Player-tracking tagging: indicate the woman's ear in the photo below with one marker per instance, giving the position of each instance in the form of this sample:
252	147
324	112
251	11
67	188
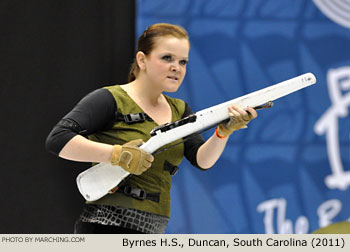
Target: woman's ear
140	59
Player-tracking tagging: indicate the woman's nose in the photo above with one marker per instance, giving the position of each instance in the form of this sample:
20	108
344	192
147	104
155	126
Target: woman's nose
174	68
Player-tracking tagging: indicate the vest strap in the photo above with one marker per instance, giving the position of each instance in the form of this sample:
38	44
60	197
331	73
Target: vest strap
172	169
138	193
72	125
133	118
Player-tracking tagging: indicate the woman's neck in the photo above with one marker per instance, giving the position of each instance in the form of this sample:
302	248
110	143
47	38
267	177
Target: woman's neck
153	103
144	93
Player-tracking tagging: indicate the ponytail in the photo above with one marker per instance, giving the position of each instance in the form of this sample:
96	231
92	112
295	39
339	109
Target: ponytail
134	69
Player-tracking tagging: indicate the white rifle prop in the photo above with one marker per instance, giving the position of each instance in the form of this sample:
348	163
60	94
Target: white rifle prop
104	178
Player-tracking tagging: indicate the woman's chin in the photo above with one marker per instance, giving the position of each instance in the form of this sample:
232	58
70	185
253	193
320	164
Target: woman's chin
172	88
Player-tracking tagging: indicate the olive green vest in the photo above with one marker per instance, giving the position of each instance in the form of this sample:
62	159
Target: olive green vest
155	179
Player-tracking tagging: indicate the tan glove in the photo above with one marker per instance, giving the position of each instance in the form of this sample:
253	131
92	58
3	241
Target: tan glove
131	158
238	120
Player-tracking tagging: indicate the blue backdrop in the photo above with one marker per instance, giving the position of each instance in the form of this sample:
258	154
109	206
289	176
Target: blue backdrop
289	172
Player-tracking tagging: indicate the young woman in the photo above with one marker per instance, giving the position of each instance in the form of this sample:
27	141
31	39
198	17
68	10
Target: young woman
102	128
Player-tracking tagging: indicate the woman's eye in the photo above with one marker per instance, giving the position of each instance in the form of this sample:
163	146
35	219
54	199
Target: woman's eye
167	57
183	62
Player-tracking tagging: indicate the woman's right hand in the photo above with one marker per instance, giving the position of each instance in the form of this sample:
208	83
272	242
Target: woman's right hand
131	158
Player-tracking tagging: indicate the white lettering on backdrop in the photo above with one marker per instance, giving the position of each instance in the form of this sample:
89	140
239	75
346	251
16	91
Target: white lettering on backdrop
339	91
326	212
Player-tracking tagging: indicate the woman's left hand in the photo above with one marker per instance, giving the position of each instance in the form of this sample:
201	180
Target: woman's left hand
239	118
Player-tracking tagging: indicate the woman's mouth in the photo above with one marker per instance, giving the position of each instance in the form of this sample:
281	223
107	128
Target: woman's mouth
173	78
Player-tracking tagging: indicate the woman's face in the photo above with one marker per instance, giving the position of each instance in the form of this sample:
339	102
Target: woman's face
165	66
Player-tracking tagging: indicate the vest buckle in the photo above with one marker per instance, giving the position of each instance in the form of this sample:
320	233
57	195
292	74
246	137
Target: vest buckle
172	169
133	118
135	192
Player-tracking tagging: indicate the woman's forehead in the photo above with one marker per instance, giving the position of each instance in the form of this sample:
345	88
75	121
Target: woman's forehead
172	44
